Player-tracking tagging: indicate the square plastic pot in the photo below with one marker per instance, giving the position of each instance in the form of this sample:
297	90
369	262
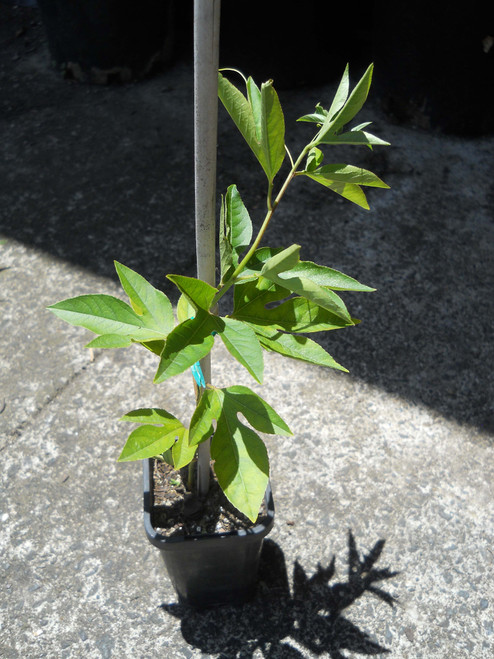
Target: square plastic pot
211	569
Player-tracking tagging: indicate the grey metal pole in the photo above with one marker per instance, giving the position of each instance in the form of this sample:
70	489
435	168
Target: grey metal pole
206	55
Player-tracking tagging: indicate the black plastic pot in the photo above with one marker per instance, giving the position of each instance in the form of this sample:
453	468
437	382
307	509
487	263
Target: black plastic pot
210	570
104	41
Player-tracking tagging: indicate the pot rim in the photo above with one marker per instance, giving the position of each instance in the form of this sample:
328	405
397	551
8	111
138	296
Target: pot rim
261	529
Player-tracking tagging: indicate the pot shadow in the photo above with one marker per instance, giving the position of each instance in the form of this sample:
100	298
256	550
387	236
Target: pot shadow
309	614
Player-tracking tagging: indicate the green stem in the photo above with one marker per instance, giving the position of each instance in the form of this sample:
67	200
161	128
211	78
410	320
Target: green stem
271	209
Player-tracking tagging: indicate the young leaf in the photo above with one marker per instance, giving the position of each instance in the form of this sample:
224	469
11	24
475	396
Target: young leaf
207	410
351	107
272	130
355	137
238	222
147	301
240	110
186	344
225	243
147	441
182	452
105	314
341	95
241	342
317	117
241	462
198	292
254	97
314	158
299	347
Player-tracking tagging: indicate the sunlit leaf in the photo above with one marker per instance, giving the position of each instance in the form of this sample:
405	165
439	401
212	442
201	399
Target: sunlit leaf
148	441
299	347
110	341
186	344
198	292
146	300
182	452
240	110
272	130
105	314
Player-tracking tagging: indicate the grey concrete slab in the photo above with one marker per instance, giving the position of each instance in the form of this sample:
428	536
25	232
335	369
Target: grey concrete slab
398	450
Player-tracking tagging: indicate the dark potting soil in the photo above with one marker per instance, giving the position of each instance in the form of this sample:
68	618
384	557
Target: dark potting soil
178	511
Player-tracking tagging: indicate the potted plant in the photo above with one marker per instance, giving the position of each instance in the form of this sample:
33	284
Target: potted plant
277	300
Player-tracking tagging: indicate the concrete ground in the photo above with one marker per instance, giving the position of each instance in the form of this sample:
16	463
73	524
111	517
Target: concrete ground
399	450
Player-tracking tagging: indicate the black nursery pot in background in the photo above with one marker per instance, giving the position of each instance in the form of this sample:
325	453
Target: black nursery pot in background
210	570
104	41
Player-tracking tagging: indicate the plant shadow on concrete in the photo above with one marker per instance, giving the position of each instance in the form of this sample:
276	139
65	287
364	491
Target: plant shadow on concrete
310	612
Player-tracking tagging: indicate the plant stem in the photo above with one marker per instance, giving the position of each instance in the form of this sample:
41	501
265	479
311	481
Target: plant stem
271	209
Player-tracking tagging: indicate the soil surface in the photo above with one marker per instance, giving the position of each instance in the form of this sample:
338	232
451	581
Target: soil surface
178	511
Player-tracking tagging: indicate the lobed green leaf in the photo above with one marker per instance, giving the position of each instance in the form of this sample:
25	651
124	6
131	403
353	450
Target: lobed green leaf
146	300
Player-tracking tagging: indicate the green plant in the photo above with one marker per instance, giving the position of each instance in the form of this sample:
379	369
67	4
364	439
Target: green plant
277	299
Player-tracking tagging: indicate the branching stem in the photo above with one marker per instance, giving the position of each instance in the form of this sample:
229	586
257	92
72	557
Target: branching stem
271	209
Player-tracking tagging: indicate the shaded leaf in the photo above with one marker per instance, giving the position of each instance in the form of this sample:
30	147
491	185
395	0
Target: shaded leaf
296	314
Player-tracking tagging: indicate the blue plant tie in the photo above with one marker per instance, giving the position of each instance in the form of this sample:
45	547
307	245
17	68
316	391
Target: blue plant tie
198	374
197	370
